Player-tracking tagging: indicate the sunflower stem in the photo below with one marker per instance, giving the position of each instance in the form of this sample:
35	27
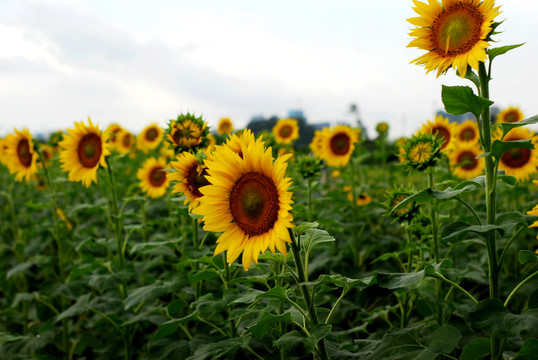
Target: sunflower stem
435	238
309	301
491	175
310	206
115	213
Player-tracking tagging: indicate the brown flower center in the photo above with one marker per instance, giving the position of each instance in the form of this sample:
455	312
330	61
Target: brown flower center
467	134
285	131
467	160
442	133
157	177
340	144
516	158
195	181
89	150
24	154
457	29
151	134
126	140
254	203
511	117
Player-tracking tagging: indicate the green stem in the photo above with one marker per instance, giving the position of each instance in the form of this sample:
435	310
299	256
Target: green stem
228	278
433	216
470	209
310	204
503	254
491	179
441	277
306	293
195	232
518	287
115	213
344	292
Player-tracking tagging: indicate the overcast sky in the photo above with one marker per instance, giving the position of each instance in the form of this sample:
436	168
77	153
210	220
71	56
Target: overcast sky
134	62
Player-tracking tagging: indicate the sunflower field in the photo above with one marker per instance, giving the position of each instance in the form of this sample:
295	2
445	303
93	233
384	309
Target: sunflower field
187	242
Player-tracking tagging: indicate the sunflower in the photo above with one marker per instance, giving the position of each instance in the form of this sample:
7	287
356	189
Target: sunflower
237	141
510	115
112	130
467	131
3	151
465	160
149	138
153	180
399	145
190	176
317	141
422	151
47	151
124	141
20	155
84	148
443	129
248	202
211	140
382	128
225	126
454	32
520	162
407	212
286	131
338	144
187	133
362	198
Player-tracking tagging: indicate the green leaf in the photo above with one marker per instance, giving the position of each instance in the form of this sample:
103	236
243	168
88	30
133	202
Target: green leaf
481	180
525	256
476	349
300	229
491	316
499	148
508	221
399	280
460	229
267	321
294	343
248	298
197	276
216	350
152	291
340	281
494	52
528	351
444	340
432	270
428	194
506	127
82	305
141	247
169	327
276	292
459	100
313	237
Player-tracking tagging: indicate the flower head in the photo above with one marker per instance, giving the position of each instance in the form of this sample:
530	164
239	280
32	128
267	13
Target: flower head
337	145
153	179
422	151
247	201
510	115
455	33
225	126
286	131
467	132
84	149
187	133
465	160
443	129
20	157
520	162
149	138
190	175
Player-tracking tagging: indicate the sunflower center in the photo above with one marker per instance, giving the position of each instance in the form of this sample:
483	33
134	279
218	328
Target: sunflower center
195	180
421	152
467	134
126	140
151	134
285	131
511	117
23	152
340	144
517	157
225	126
362	196
457	29
254	203
89	150
467	160
156	176
441	133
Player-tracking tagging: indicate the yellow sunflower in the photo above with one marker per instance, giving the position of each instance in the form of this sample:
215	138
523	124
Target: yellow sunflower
286	131
467	131
454	32
362	198
510	115
153	180
3	151
190	176
47	151
124	141
317	141
338	144
399	144
520	162
186	133
84	148
248	202
212	140
20	155
443	129
149	138
465	162
237	141
112	130
225	126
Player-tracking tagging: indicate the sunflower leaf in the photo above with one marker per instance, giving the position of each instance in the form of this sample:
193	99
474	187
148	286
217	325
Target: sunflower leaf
494	52
525	256
506	127
459	100
499	148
